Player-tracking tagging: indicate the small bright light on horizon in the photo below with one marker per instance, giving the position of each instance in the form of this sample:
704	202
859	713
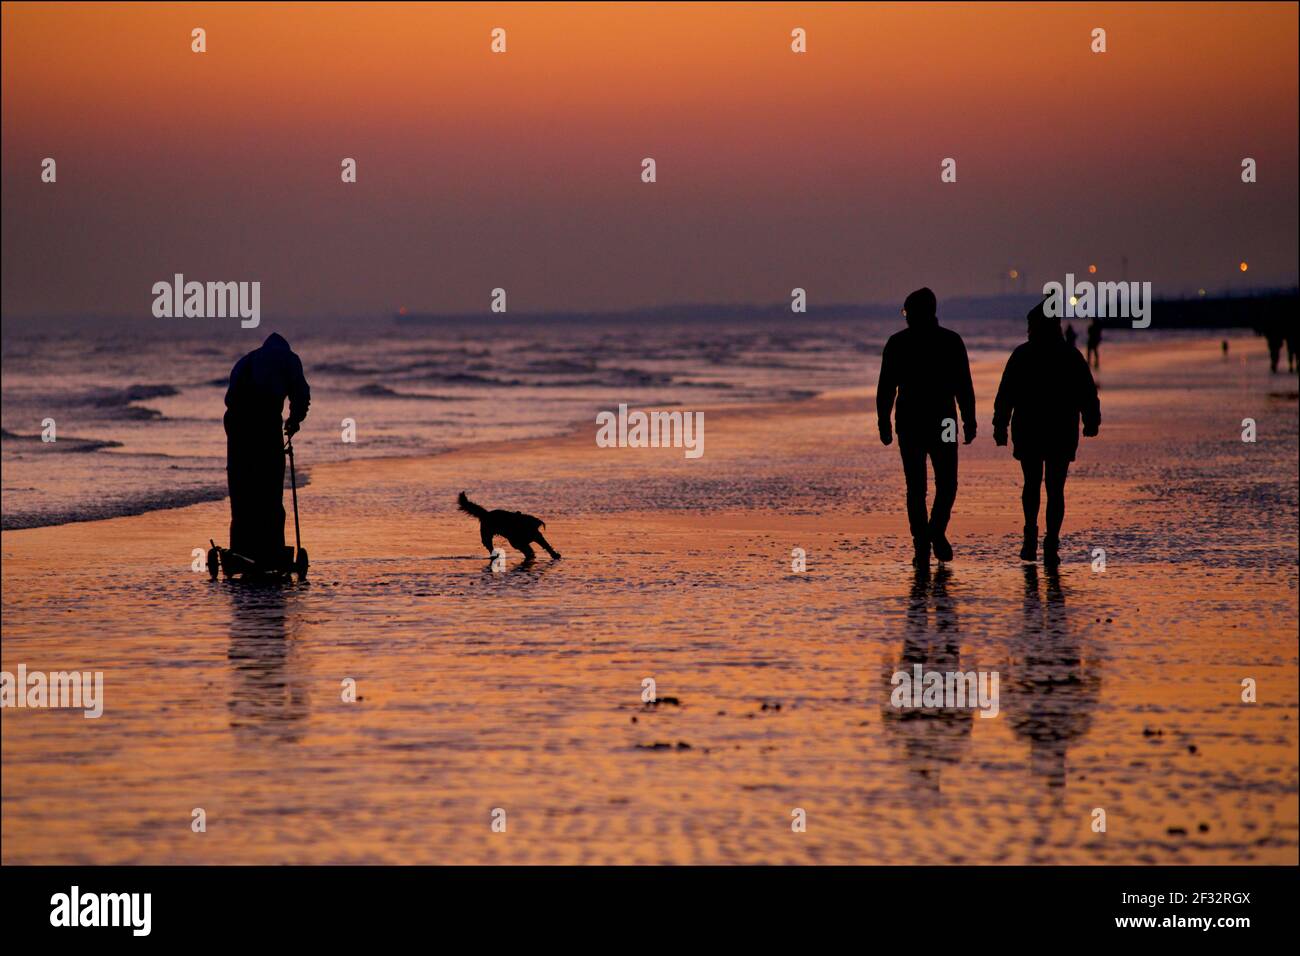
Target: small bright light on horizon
1244	267
401	310
1200	292
1014	274
1092	269
1074	300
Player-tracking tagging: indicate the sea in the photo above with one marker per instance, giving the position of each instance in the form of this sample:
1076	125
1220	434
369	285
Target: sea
134	406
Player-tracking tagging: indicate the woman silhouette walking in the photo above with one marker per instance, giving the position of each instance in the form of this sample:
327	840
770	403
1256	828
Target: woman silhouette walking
1046	388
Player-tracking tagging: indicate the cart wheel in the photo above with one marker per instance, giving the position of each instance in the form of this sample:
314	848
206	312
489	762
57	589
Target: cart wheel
300	564
214	563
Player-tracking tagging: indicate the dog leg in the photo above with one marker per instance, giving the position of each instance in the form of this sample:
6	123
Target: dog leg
486	538
541	539
524	547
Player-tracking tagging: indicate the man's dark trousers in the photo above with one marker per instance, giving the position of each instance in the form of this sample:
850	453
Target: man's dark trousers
915	449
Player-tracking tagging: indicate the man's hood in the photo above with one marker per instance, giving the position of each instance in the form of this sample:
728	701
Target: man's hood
1043	327
920	309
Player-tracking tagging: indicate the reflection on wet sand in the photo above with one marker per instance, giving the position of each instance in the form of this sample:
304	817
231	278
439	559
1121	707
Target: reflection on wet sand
269	699
1051	687
527	570
1048	685
522	689
933	738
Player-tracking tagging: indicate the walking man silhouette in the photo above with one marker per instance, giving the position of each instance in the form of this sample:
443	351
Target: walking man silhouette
259	384
925	368
1046	387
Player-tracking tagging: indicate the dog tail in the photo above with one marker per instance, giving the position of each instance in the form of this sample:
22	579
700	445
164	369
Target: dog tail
467	506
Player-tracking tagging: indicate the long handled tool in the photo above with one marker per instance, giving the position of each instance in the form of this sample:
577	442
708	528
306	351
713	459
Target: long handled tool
300	562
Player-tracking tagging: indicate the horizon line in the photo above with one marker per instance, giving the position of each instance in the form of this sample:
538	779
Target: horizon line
679	309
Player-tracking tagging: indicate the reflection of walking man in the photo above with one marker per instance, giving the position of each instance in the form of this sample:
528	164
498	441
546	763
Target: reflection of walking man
926	368
932	738
259	384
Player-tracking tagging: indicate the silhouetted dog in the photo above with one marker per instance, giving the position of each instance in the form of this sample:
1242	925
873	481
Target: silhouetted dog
517	528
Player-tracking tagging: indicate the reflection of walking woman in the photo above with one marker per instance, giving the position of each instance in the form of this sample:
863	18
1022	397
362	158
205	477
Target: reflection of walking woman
1046	388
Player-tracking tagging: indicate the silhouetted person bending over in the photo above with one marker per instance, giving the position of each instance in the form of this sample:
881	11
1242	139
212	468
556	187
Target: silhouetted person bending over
1094	343
926	367
1046	388
259	384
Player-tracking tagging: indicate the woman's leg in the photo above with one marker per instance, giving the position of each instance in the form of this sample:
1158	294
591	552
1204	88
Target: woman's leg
1032	469
1056	472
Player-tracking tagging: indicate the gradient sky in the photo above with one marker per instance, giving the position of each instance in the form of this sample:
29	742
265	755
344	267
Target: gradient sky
522	170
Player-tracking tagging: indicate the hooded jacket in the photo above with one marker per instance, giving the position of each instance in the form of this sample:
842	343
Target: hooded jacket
263	379
926	367
1046	388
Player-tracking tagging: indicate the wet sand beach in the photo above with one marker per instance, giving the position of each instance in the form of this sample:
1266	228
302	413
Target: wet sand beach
1120	690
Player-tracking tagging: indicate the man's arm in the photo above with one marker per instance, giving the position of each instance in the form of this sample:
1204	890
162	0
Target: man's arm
965	393
1089	403
299	396
236	374
885	389
1003	404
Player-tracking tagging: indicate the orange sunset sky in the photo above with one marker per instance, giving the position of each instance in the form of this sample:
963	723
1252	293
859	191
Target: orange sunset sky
522	170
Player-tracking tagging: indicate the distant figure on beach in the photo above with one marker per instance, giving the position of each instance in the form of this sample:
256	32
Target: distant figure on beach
259	384
1224	345
1094	343
1046	387
1071	336
1279	330
926	367
1274	336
